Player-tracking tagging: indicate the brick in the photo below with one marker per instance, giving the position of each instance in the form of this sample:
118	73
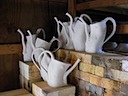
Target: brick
99	71
42	89
29	70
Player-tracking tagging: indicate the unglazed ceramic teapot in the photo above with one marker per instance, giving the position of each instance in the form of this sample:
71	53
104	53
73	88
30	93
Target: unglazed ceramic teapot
57	70
27	48
77	31
96	33
36	53
63	35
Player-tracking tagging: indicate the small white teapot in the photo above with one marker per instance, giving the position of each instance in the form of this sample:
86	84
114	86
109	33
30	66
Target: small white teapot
63	35
57	70
27	48
77	31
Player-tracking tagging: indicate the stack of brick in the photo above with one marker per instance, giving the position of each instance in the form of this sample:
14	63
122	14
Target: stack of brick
28	74
97	74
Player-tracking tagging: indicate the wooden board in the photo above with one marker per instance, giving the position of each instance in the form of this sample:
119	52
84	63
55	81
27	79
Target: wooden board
10	49
9	72
42	89
99	3
16	92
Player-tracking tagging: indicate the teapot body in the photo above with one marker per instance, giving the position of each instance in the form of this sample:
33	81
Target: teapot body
96	35
96	39
55	77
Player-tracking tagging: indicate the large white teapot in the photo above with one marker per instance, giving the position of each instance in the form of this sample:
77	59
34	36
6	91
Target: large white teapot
56	74
96	33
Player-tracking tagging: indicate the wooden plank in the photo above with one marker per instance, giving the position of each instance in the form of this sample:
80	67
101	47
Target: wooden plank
10	49
9	72
99	3
42	89
16	92
26	95
72	7
62	1
122	28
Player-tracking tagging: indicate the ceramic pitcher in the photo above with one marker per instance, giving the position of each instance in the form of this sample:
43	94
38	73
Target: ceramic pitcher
95	35
27	48
58	71
77	32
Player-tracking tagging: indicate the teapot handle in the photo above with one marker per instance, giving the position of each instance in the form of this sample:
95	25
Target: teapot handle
67	37
59	43
70	25
87	16
32	57
44	52
23	43
114	28
33	47
70	70
58	27
39	30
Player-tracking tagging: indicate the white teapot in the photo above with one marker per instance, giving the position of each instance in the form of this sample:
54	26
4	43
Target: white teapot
27	48
77	32
57	70
96	33
63	35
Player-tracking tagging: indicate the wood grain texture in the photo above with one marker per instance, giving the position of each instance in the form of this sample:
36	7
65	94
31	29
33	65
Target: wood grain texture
99	3
56	9
43	89
9	72
16	92
11	49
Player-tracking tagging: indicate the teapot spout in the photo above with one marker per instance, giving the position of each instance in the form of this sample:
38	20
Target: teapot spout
70	70
22	40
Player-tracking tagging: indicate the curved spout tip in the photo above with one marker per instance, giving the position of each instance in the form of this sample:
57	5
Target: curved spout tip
67	14
55	18
19	30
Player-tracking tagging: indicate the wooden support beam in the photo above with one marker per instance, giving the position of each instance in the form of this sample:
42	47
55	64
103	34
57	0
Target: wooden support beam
99	3
72	7
10	49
